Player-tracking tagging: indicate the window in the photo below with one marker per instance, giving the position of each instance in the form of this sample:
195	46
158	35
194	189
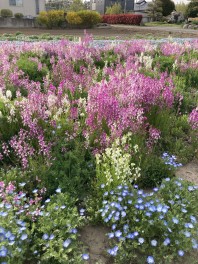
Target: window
16	2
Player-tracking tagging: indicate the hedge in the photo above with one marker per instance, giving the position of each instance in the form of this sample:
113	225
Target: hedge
128	19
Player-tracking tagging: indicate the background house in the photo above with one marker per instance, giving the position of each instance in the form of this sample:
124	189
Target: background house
101	5
29	8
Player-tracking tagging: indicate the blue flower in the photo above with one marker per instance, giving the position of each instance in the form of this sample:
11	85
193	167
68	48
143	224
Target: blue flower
85	256
150	260
118	233
154	243
175	220
110	235
166	241
180	253
24	236
51	237
47	201
67	242
113	251
45	237
141	240
102	186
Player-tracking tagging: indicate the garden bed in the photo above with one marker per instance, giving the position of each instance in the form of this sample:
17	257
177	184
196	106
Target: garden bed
92	136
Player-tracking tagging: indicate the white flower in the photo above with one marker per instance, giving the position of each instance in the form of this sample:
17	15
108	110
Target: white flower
8	94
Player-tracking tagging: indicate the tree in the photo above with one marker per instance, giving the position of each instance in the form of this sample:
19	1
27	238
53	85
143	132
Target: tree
181	7
77	5
192	9
154	10
114	9
167	7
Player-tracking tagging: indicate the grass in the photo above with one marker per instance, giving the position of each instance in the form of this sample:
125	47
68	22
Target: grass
161	24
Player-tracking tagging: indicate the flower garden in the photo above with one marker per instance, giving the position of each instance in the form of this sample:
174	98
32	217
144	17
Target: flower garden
92	136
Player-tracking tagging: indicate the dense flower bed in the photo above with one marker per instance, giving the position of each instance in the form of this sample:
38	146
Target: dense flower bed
80	127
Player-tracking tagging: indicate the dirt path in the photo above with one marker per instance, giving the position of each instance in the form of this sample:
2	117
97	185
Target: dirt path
119	31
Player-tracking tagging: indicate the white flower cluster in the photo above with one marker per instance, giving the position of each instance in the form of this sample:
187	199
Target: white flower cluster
114	166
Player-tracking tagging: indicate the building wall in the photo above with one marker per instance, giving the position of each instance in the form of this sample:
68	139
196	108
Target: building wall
28	7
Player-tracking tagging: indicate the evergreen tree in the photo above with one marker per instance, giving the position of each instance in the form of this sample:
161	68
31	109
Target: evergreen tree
154	10
167	7
192	9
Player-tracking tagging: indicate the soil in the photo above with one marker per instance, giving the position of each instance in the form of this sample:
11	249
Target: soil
115	31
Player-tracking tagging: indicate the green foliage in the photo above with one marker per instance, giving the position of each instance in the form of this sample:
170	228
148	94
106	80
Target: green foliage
155	10
18	15
6	13
50	19
167	7
192	9
114	9
77	5
181	7
73	18
163	63
89	18
30	68
153	171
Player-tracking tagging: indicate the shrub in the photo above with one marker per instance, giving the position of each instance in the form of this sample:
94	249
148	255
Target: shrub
6	13
52	18
128	19
73	18
89	17
18	15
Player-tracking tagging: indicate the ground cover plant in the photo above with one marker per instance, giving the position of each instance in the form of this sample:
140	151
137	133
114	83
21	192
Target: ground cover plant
94	135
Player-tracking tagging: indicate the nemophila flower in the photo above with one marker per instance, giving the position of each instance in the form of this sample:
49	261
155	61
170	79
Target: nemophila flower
110	235
175	220
73	231
130	236
67	242
113	226
189	225
113	251
118	234
187	234
24	236
45	237
166	242
150	260
85	256
135	233
154	243
141	240
35	191
47	201
102	186
193	219
51	237
181	253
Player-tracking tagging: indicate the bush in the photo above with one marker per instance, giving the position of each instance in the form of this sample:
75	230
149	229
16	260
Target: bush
89	17
128	19
6	13
52	18
18	15
73	18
